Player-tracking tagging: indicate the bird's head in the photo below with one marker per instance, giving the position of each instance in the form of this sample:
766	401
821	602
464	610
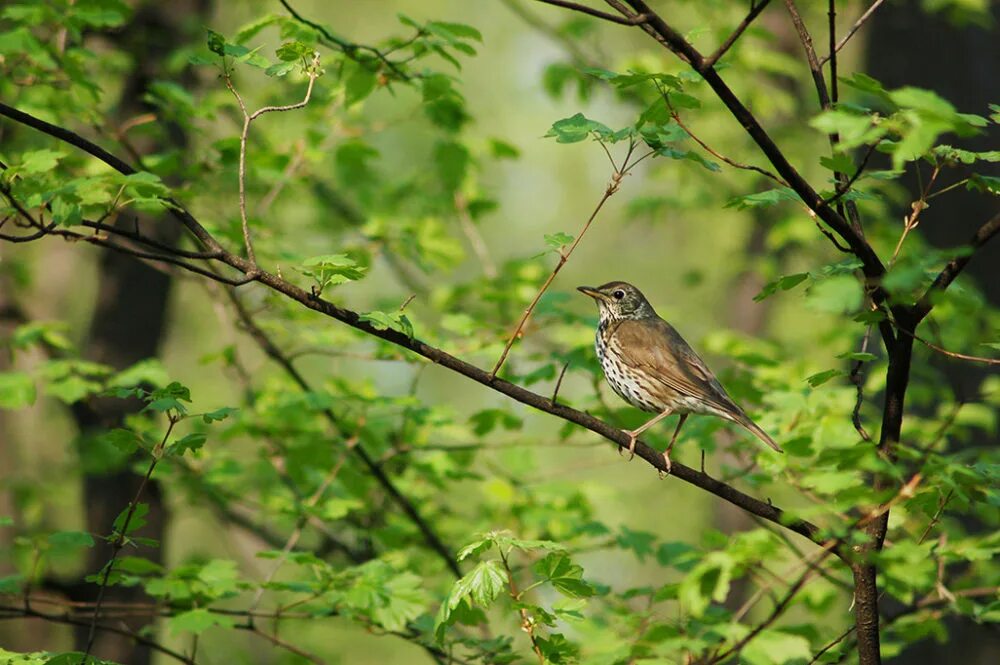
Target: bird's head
619	300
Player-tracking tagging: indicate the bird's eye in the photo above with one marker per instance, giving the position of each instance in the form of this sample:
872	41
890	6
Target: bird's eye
619	294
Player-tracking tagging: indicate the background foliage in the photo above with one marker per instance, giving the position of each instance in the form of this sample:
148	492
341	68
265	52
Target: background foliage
203	472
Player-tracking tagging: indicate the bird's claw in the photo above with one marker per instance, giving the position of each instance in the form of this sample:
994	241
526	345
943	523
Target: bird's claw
631	446
668	464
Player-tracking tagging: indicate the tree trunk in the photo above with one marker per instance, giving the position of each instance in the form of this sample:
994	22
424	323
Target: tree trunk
908	46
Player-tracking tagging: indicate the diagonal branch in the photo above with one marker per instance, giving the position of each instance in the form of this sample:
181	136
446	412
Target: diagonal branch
755	10
944	279
763	509
671	39
248	118
596	13
616	179
850	33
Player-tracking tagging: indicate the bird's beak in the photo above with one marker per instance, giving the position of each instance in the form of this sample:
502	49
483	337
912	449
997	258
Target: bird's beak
592	292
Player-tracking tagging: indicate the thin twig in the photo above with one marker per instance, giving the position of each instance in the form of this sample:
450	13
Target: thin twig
854	28
596	13
613	185
121	538
527	622
746	167
755	10
913	219
555	393
858	379
313	71
950	354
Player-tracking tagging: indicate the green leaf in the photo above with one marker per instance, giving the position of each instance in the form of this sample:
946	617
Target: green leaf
218	414
577	128
708	581
840	162
190	442
481	586
454	31
124	440
772	647
137	520
820	378
293	51
558	240
784	283
39	161
198	621
564	575
17	390
763	199
359	83
332	269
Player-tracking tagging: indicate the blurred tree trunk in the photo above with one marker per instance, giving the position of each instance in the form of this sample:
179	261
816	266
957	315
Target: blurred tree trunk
908	46
129	320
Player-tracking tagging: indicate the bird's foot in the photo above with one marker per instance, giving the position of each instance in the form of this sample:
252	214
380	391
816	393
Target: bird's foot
632	437
666	461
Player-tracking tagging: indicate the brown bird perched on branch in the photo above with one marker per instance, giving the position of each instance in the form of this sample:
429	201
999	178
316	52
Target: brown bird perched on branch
651	367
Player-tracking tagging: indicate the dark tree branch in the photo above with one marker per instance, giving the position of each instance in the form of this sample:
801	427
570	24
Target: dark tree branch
596	13
26	611
755	10
954	267
871	264
850	33
765	510
274	352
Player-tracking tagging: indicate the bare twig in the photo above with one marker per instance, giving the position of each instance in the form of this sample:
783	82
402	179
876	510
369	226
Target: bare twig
596	13
737	165
850	33
755	10
913	219
951	354
121	538
954	267
763	509
527	622
313	72
858	379
613	185
555	392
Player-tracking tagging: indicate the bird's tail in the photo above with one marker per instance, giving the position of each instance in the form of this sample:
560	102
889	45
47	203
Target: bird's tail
744	419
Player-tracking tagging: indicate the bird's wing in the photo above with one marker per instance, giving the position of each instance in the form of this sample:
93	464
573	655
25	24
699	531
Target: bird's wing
654	346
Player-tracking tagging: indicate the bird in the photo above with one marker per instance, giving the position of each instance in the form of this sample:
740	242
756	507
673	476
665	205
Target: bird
650	366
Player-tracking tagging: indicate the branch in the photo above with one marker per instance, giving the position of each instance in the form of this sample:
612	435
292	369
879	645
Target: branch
26	611
120	538
763	509
313	72
951	354
74	139
755	10
954	267
348	48
672	40
850	33
616	179
596	13
277	355
737	165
